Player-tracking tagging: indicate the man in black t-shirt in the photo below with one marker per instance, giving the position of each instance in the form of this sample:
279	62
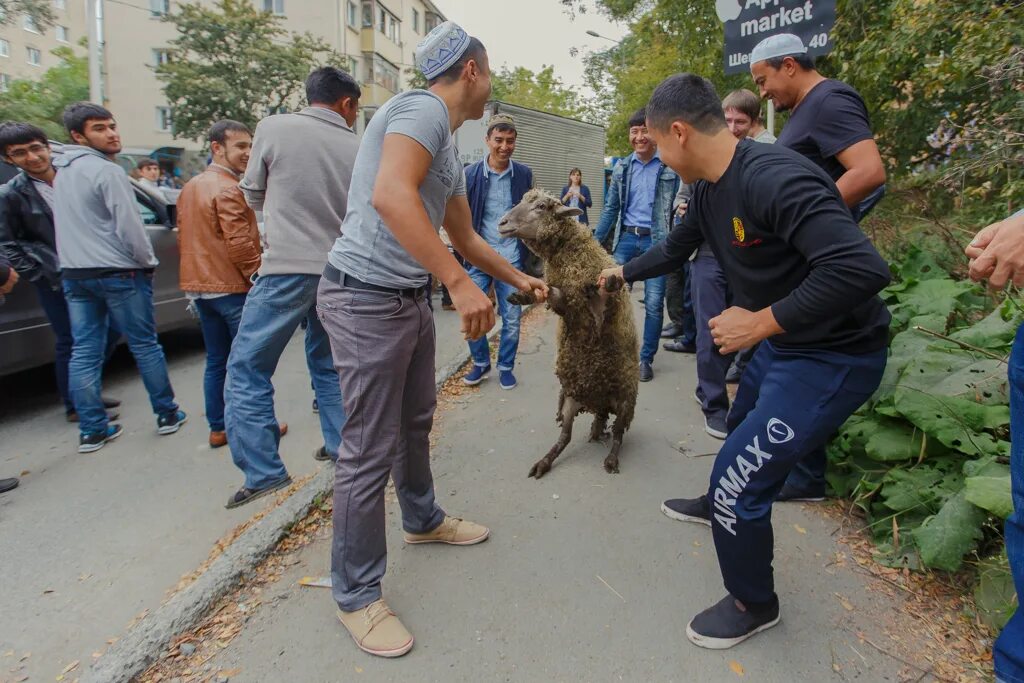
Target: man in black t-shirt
805	281
829	121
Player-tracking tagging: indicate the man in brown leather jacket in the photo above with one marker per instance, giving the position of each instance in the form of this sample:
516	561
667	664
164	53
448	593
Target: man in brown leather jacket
220	250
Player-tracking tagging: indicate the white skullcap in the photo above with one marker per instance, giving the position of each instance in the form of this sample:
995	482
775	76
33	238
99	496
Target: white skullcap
779	45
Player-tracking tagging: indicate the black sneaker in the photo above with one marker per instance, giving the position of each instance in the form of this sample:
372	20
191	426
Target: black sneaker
646	371
792	494
321	454
679	346
729	623
244	495
110	402
671	331
170	422
688	509
89	443
8	484
72	415
316	407
716	426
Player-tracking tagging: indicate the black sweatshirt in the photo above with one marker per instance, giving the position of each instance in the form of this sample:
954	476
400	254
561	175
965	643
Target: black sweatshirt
785	239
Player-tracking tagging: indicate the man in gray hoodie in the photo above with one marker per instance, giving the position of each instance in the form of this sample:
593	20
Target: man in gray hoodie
298	175
107	264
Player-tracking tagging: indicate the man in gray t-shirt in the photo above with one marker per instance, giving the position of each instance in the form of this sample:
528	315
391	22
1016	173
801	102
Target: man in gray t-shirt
373	302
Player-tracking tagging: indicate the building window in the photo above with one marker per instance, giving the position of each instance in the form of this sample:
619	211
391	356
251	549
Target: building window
30	24
60	4
158	8
5	82
161	56
353	14
382	72
387	24
275	6
367	13
35	57
415	20
163	119
5	48
63	35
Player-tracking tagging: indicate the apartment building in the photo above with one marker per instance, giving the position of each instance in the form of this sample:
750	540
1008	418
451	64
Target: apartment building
26	51
379	38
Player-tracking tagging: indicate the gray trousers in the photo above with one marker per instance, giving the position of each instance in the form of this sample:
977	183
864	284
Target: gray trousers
383	346
710	298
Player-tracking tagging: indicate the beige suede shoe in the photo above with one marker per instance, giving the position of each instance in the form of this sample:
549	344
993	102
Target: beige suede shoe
453	531
377	630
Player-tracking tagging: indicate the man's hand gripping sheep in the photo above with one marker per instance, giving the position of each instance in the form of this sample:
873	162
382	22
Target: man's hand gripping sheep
598	363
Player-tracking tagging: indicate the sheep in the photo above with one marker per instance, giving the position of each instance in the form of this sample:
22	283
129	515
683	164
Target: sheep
597	363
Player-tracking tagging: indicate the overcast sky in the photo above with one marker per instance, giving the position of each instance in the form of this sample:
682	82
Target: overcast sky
532	33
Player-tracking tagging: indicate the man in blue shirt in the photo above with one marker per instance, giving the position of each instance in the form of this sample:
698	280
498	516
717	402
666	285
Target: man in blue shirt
635	217
493	186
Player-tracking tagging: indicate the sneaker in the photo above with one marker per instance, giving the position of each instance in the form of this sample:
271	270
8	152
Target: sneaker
170	422
476	375
110	402
507	379
377	630
729	623
671	331
688	509
679	346
646	371
715	426
792	494
698	399
453	531
8	484
89	443
322	454
244	495
316	407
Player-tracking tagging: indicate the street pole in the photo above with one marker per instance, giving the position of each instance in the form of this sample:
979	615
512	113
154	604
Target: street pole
622	61
95	83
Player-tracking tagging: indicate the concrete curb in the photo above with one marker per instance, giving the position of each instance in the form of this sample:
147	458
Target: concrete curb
134	652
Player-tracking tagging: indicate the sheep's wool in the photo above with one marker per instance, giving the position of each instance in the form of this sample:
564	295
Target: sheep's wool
440	49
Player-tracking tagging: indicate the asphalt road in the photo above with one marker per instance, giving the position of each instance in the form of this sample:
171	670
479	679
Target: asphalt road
88	542
583	578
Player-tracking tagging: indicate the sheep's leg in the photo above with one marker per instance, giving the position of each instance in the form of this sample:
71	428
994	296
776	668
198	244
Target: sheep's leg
614	283
599	430
521	298
611	463
556	300
568	414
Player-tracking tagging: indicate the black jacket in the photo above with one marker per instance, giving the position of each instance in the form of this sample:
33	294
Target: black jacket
27	237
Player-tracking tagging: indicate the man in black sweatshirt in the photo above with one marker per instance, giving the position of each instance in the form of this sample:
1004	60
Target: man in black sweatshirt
805	282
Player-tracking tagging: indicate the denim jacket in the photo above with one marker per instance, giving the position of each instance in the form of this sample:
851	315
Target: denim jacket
616	200
476	191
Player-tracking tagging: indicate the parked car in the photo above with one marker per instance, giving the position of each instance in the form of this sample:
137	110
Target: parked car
26	340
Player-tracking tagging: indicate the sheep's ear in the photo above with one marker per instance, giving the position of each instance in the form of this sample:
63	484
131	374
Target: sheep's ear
568	211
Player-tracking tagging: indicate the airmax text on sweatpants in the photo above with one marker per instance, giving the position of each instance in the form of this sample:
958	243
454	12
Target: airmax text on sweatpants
735	480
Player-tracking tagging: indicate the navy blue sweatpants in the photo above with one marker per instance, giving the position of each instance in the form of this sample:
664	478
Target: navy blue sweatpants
789	403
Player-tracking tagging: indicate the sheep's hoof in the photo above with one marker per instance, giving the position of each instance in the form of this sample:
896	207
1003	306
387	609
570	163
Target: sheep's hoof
611	465
613	283
541	468
520	299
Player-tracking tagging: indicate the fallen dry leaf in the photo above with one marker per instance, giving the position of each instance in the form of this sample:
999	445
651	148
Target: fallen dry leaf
359	669
70	667
228	673
737	668
800	529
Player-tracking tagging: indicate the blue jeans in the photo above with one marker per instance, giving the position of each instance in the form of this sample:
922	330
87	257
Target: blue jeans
273	310
95	305
55	306
219	320
510	317
789	403
1009	649
629	247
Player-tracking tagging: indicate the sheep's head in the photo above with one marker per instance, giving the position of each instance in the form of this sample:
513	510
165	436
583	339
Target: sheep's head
537	217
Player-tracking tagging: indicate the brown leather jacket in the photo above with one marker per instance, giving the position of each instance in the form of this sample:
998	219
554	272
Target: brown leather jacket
217	234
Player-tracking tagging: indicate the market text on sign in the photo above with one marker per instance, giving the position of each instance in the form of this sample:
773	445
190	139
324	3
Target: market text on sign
781	19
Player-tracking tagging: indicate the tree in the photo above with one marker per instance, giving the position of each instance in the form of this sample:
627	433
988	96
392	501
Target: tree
42	102
233	61
41	12
542	90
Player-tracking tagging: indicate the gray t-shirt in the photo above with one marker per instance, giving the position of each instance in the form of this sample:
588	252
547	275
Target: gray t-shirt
367	249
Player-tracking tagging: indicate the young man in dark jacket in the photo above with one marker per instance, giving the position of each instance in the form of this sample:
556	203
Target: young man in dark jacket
493	186
28	241
805	283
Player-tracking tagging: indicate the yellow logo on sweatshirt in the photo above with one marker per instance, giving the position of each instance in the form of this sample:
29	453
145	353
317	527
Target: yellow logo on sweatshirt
737	229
